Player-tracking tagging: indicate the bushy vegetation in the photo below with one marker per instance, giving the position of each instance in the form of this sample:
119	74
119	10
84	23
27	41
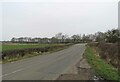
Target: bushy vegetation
108	52
19	51
111	36
104	69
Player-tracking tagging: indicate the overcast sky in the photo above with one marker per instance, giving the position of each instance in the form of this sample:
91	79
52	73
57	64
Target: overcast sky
45	18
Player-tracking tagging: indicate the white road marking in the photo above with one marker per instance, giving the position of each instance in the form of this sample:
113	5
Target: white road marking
11	73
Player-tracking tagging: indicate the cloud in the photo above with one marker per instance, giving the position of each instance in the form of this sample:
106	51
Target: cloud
45	19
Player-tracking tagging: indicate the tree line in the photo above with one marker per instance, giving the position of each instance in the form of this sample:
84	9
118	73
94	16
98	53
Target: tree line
110	36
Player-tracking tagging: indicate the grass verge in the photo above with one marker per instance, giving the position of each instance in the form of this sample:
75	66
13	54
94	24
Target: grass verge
102	68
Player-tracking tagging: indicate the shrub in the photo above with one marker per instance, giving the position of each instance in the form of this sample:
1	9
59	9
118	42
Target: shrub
108	51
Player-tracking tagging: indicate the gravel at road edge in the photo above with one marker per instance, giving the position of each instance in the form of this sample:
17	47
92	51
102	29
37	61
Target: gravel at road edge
81	71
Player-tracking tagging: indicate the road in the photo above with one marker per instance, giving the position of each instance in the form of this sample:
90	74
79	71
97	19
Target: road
44	67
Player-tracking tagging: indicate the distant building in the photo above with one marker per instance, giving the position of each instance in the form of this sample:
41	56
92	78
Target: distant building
28	39
14	40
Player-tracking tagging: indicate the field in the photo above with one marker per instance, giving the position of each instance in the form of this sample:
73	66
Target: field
10	47
14	52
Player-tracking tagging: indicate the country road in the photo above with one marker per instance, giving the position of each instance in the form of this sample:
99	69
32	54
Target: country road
44	67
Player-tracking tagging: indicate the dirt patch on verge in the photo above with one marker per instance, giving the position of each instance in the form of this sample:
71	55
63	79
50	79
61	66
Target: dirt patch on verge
81	71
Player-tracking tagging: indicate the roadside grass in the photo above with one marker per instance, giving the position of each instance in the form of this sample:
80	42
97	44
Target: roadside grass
0	47
105	70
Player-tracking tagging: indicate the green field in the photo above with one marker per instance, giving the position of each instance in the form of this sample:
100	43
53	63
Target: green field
9	47
6	48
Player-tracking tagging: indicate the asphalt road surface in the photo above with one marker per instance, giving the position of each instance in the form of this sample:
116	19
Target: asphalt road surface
44	67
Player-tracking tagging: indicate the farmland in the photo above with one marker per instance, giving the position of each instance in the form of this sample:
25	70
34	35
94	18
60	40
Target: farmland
15	51
10	47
